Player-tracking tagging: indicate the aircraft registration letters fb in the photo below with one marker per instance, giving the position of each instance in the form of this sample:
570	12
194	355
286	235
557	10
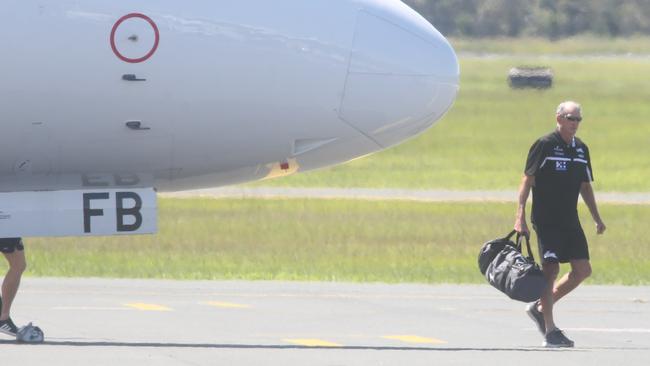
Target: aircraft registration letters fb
78	212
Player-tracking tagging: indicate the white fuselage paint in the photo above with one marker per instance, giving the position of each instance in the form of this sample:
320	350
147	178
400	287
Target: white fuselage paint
235	90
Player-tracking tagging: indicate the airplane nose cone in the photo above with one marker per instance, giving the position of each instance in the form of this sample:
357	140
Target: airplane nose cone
403	74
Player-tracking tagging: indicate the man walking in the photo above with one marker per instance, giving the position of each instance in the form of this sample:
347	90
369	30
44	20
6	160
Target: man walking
13	250
558	168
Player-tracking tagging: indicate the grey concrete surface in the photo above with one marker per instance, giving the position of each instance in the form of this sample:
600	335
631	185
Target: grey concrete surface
153	322
638	198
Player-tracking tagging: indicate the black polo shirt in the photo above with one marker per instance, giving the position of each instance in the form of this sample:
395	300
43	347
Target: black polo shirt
559	169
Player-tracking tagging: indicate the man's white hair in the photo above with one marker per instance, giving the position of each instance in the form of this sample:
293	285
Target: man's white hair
563	106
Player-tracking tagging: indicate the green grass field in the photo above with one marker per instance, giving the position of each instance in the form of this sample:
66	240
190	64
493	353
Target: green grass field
574	46
340	240
483	141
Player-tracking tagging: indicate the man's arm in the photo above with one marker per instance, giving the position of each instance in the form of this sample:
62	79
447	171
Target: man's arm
524	190
587	193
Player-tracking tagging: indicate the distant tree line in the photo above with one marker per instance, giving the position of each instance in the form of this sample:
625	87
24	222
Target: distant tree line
551	19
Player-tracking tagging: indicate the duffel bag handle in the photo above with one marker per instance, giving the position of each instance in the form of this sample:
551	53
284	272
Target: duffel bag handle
521	237
510	235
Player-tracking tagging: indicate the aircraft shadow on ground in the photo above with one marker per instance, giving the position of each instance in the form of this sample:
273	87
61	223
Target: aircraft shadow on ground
272	346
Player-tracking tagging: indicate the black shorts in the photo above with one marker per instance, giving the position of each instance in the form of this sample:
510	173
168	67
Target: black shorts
561	245
10	245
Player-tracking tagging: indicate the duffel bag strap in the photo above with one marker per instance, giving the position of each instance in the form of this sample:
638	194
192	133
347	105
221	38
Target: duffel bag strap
510	235
520	238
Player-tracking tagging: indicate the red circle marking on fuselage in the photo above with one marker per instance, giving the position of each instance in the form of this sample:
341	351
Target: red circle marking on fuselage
153	49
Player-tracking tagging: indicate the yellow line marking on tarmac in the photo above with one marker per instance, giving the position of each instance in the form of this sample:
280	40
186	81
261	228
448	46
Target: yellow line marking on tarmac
229	305
415	339
147	307
310	342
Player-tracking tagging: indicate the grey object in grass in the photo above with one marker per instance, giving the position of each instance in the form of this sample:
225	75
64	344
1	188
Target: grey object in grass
530	77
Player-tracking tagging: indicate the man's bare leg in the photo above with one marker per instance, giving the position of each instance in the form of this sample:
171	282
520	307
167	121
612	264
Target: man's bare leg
17	265
580	271
551	271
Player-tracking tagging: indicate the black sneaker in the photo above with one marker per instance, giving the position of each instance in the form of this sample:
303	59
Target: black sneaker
537	316
557	339
8	327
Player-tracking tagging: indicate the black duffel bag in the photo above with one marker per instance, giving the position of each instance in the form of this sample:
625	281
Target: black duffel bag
491	249
510	272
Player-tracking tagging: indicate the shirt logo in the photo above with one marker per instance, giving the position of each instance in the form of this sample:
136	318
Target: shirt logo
580	150
557	148
560	166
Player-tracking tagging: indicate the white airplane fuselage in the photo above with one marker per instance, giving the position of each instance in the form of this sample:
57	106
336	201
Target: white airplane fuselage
177	95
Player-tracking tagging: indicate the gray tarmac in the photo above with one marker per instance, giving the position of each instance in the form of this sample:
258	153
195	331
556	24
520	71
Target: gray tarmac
136	322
